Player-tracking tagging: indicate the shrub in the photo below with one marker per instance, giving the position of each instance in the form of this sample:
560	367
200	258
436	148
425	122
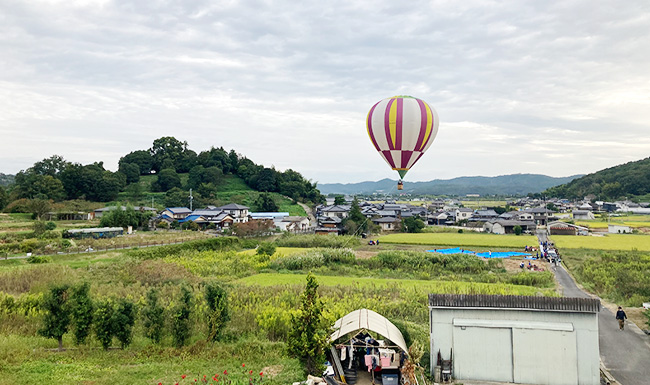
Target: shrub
57	314
266	248
217	299
50	226
153	317
216	244
39	259
123	321
162	225
290	240
104	325
81	309
308	260
181	318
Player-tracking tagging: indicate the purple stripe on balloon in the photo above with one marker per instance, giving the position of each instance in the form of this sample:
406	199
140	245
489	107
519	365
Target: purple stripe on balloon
369	126
387	124
389	158
416	159
423	125
406	156
400	112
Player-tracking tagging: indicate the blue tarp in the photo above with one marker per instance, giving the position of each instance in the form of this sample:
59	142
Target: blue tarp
486	254
456	250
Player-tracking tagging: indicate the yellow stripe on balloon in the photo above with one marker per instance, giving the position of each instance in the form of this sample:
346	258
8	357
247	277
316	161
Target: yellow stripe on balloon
429	127
392	123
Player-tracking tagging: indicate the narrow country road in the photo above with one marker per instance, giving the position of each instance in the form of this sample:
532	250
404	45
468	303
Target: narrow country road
626	354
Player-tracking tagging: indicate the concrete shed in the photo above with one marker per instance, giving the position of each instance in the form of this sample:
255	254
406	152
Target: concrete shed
525	340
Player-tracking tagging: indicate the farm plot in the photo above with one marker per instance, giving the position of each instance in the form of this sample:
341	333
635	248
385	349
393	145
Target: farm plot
464	239
607	242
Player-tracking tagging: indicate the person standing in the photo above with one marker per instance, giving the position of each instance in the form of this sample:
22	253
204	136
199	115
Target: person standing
621	316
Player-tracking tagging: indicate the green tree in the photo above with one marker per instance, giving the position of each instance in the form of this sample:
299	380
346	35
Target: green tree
358	222
104	325
339	200
517	229
177	198
39	228
167	180
134	192
51	166
57	314
308	335
131	171
181	318
266	248
217	300
412	224
39	207
153	315
123	321
265	203
81	310
143	159
35	186
4	198
165	148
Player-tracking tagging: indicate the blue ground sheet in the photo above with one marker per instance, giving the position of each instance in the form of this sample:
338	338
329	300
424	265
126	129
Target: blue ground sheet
486	254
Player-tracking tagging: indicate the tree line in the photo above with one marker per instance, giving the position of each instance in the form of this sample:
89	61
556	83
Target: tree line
56	179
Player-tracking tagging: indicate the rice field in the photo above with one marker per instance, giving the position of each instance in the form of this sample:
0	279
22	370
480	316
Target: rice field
454	287
461	239
607	242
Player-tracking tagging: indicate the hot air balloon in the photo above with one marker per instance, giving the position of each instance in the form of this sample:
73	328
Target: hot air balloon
402	128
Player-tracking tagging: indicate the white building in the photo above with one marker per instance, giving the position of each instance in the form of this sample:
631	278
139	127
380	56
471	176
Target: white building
463	213
583	215
619	229
525	340
238	212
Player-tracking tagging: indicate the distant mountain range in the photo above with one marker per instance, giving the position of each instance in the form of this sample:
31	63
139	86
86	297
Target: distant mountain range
515	184
6	180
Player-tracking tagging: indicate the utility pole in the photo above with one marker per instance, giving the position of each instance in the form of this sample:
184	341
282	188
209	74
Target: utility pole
191	199
152	202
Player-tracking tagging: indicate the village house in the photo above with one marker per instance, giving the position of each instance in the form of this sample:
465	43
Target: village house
176	213
238	212
292	223
504	226
583	215
618	229
563	228
463	213
387	223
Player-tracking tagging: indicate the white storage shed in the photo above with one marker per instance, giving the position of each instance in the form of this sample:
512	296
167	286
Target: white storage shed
525	340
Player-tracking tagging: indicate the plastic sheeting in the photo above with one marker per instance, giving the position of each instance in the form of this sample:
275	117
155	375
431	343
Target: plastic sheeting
487	254
364	319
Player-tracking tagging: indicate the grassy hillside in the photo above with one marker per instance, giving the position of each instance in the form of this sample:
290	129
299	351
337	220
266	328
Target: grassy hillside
629	179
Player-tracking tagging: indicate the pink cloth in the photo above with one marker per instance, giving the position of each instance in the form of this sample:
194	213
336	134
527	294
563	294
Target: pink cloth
385	361
368	360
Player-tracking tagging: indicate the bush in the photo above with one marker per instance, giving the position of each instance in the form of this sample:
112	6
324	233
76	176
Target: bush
50	226
308	260
57	314
162	225
81	307
266	248
211	244
104	325
39	259
123	321
217	299
290	240
153	317
181	318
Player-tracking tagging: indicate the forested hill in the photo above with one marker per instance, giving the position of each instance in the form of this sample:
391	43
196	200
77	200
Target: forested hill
625	180
516	184
166	162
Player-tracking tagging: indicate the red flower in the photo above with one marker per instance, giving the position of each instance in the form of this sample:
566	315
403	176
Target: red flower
183	376
176	383
160	383
250	372
243	365
225	372
261	374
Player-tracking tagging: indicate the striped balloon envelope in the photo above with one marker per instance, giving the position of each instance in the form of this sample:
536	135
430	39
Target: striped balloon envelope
402	128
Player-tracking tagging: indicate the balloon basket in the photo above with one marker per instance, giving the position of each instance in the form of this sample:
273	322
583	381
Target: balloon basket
400	185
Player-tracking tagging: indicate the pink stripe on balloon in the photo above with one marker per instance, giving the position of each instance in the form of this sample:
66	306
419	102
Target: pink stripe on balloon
406	156
423	124
389	158
400	113
387	124
369	126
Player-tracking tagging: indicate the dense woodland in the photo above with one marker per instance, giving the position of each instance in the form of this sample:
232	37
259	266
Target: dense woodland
56	179
626	180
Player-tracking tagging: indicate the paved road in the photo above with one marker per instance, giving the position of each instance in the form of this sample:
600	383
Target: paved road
626	354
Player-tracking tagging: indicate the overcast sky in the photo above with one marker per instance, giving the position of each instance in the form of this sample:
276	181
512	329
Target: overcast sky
549	87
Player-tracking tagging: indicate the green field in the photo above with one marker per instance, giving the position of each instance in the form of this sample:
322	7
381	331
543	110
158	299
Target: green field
270	279
464	239
483	203
607	242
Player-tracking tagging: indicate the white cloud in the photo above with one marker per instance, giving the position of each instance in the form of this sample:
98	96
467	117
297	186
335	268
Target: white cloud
552	88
